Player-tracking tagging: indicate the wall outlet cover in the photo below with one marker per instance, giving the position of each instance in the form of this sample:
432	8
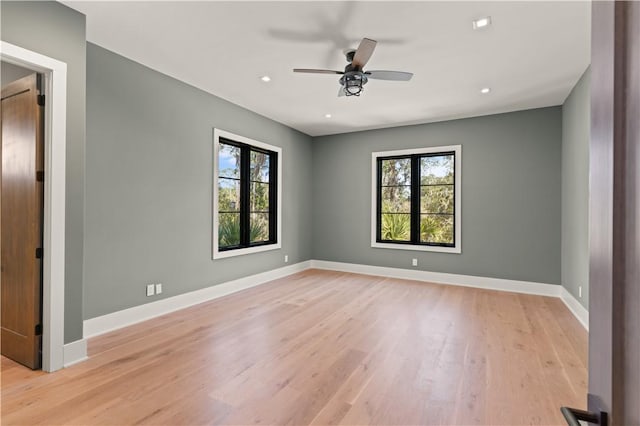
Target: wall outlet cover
159	288
151	289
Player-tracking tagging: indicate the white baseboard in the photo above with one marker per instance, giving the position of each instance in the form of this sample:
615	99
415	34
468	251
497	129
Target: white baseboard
103	324
74	352
515	286
575	307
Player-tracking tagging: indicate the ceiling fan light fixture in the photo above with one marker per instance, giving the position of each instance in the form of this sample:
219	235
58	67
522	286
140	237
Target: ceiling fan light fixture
353	83
353	88
481	22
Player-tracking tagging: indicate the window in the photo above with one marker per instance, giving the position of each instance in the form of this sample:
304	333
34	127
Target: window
416	199
246	195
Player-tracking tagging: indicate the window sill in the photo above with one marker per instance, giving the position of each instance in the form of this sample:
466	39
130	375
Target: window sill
455	250
240	252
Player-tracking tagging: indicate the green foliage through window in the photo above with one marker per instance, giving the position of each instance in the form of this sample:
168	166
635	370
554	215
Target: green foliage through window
228	230
416	199
246	190
396	227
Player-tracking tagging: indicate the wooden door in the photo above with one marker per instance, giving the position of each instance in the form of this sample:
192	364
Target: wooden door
614	275
21	219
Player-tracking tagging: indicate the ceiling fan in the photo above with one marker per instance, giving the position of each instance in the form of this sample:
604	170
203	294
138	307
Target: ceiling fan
354	77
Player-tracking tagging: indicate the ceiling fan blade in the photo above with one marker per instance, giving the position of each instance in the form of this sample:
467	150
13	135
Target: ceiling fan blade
341	92
389	75
364	52
314	71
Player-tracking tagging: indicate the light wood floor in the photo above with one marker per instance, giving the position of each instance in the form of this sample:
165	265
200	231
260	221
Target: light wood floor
323	347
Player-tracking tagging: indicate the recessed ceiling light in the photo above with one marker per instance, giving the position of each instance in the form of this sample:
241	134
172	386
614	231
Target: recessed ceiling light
482	22
265	78
327	116
485	90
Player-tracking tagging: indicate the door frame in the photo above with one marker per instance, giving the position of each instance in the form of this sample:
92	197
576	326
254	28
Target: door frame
55	127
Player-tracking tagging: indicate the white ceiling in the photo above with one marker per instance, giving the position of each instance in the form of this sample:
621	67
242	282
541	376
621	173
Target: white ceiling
531	56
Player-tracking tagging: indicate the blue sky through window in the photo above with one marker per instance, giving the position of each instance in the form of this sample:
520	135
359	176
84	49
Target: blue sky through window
227	161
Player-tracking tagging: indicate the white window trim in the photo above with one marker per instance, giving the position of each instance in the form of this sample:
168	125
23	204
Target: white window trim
458	198
217	254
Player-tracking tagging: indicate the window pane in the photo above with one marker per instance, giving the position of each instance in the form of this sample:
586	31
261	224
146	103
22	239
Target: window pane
436	169
396	227
259	227
259	197
436	199
228	229
396	171
436	229
259	166
396	199
228	160
228	195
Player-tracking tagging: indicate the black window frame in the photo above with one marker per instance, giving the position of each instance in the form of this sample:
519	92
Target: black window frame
415	213
245	195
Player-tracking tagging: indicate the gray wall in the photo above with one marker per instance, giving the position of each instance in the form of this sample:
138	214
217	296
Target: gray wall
149	185
576	116
12	72
510	195
57	31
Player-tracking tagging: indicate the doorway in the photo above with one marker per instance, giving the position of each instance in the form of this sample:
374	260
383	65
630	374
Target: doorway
54	74
21	217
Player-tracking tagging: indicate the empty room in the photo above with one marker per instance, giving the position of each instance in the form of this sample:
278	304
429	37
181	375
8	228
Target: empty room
320	212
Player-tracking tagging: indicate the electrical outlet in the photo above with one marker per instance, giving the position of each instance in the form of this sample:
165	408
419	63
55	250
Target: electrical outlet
286	258
151	289
414	262
159	288
580	292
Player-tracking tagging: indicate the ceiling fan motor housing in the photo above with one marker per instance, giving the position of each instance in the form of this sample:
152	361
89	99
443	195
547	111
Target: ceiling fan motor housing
350	54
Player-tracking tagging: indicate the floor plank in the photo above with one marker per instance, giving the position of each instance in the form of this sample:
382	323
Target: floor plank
323	347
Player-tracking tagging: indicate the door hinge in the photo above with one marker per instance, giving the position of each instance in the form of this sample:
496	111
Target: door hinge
40	176
38	329
41	100
39	253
